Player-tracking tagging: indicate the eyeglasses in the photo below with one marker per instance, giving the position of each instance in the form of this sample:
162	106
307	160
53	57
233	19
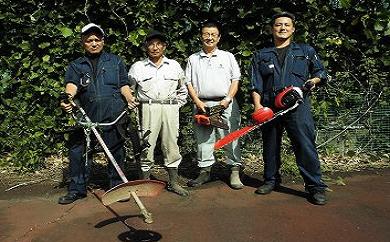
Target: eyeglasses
212	35
155	44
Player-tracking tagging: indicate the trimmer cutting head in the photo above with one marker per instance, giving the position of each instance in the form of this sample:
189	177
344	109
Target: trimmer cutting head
143	188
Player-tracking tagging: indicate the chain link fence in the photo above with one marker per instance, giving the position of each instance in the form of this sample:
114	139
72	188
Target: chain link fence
355	132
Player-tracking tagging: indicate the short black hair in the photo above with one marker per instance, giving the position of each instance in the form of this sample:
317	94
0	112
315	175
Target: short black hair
211	23
283	14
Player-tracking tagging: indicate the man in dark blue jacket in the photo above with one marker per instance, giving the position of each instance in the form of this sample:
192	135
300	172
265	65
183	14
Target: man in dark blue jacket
288	64
98	80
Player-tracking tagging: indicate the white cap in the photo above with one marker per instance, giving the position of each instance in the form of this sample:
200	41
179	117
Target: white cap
90	26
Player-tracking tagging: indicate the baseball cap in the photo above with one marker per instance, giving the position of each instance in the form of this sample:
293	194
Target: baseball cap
154	34
91	26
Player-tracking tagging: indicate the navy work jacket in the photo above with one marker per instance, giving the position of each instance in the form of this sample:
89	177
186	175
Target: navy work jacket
268	76
99	95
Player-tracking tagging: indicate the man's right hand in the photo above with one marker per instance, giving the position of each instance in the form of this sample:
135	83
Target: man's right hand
65	102
256	97
257	106
67	107
70	92
201	106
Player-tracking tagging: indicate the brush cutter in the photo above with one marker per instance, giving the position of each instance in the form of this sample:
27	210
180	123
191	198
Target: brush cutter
134	189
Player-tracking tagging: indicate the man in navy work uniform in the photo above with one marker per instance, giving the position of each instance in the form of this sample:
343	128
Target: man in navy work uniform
272	69
98	80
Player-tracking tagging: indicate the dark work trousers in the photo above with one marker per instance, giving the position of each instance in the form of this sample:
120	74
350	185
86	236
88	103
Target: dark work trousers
299	125
80	171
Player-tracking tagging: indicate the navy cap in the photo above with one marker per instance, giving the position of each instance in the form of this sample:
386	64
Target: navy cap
154	34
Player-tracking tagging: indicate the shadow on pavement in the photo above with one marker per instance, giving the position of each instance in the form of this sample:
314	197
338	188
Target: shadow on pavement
131	235
140	235
287	190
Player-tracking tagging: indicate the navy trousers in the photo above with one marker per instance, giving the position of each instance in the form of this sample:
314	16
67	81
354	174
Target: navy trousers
79	170
299	125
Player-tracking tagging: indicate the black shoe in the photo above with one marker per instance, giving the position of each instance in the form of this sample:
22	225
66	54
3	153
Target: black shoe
204	176
70	198
265	189
318	197
201	179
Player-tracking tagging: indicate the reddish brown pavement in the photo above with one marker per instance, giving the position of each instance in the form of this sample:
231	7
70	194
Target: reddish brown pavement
358	211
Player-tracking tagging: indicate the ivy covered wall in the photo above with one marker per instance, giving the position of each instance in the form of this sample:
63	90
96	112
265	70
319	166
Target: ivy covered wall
39	38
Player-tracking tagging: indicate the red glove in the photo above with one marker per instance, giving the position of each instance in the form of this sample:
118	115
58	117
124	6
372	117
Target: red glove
262	115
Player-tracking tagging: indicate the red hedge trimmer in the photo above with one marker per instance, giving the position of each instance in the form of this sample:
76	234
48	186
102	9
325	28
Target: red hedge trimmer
287	100
212	117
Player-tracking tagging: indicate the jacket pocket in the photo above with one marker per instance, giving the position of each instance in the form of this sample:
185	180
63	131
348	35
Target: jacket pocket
267	67
145	84
110	75
300	67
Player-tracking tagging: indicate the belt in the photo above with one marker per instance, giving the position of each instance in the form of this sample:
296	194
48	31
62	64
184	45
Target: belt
169	101
215	99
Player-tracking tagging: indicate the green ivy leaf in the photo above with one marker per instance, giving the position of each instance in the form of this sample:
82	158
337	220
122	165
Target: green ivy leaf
46	58
44	45
141	32
25	45
378	26
65	31
246	53
26	64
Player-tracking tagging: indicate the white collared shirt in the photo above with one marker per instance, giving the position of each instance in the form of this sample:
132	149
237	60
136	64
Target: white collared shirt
212	76
158	82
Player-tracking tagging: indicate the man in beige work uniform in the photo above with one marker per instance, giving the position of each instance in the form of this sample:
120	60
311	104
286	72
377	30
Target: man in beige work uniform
159	86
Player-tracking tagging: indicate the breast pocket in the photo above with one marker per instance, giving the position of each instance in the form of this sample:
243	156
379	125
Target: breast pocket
110	75
145	84
171	82
300	67
267	67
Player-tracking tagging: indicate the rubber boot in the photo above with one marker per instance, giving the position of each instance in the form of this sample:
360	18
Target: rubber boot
174	184
204	176
235	181
144	175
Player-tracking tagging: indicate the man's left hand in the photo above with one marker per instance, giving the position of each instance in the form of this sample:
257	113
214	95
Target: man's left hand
132	103
311	83
225	102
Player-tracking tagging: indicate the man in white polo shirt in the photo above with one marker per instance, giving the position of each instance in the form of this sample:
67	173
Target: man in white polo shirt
159	84
212	78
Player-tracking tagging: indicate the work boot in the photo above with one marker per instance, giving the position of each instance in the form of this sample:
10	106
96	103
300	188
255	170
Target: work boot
70	198
265	189
174	185
235	181
204	176
144	175
318	197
